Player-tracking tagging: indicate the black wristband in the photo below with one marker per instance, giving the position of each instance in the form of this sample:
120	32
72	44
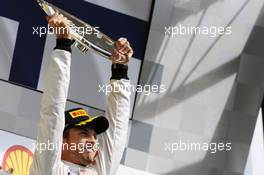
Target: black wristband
64	44
119	71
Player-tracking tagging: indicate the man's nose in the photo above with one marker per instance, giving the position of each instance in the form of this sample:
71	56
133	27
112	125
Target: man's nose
91	139
91	143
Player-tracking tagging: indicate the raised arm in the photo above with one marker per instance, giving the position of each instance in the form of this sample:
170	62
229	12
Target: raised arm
46	160
112	143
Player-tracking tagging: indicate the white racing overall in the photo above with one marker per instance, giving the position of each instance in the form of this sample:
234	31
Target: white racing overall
52	121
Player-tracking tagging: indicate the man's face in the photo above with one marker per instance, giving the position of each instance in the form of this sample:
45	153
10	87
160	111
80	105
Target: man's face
82	146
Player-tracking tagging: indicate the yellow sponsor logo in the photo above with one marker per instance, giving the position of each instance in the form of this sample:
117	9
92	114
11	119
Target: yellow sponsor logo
86	121
78	113
19	158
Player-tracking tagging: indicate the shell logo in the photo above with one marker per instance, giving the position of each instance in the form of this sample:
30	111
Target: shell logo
19	158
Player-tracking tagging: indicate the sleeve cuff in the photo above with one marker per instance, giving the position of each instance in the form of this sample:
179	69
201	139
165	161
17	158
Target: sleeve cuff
64	44
119	71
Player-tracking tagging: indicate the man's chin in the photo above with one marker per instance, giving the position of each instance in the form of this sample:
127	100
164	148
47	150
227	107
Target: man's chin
88	158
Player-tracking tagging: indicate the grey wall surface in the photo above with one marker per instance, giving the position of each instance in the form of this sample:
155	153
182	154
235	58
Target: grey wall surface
8	28
214	88
255	159
19	109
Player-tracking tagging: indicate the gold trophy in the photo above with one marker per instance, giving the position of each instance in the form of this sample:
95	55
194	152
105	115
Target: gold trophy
96	40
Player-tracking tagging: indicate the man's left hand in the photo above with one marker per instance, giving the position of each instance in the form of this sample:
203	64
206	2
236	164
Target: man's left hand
123	52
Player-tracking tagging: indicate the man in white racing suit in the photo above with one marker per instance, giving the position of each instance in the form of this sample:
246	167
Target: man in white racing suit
94	145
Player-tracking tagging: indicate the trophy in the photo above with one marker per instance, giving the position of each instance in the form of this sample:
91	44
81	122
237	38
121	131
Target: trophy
97	41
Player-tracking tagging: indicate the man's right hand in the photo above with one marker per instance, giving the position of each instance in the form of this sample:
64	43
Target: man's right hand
60	25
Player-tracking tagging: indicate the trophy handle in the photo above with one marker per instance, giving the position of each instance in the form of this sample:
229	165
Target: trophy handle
45	6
